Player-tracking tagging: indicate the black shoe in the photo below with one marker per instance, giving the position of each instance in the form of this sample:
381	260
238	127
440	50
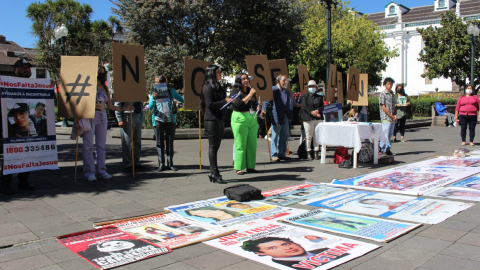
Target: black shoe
210	177
240	173
161	168
139	167
284	157
310	155
389	153
252	171
172	168
217	178
317	155
27	186
7	190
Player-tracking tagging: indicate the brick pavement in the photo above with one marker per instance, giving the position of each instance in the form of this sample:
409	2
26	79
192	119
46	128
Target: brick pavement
30	221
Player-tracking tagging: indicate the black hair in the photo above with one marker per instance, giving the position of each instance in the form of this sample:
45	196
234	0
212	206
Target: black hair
210	80
161	78
253	245
239	86
40	104
387	80
402	91
234	203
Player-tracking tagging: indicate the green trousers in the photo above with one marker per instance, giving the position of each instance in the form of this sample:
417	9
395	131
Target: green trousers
245	129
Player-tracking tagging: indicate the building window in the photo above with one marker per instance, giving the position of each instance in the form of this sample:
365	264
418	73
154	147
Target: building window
41	73
441	3
392	9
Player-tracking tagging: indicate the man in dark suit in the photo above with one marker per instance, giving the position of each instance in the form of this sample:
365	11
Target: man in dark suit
286	252
281	113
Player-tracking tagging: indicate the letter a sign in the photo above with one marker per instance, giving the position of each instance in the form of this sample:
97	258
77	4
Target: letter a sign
129	73
353	84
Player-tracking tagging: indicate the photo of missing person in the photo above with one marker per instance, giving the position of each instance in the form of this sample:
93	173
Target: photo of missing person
284	251
212	213
175	224
112	247
26	119
461	194
159	233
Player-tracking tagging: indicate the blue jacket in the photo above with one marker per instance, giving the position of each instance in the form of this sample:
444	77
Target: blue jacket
441	110
279	110
152	105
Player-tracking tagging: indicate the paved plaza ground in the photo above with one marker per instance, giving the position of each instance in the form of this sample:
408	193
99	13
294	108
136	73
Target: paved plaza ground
31	221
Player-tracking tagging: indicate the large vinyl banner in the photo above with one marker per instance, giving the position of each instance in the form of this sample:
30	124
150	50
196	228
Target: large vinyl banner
416	178
299	193
408	208
456	193
284	246
167	230
375	229
28	124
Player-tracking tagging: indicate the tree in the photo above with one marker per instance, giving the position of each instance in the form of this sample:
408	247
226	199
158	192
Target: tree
356	41
447	51
222	31
84	37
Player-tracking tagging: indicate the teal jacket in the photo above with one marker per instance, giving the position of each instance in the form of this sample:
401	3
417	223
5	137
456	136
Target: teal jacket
152	105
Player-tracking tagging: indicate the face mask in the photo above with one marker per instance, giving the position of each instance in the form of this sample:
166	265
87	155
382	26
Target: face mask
469	91
312	90
320	94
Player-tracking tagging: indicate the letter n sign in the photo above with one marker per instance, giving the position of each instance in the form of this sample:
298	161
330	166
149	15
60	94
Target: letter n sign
129	73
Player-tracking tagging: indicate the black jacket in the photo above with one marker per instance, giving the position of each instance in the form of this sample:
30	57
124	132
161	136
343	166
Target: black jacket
40	126
308	105
213	104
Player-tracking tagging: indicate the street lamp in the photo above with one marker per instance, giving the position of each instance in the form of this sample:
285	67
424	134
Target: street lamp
329	38
61	33
473	31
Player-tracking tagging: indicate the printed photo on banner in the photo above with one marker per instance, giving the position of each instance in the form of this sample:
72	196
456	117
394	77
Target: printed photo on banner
108	248
456	194
360	226
284	246
460	162
408	208
333	112
28	125
300	195
472	182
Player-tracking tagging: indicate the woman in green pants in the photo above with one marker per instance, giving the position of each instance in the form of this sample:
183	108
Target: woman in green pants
244	125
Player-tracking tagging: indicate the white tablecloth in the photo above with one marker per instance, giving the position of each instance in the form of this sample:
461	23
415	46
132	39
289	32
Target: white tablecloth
347	134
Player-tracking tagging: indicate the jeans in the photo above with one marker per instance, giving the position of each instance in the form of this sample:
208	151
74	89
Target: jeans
387	127
214	130
126	138
99	130
165	131
279	139
362	117
400	126
471	121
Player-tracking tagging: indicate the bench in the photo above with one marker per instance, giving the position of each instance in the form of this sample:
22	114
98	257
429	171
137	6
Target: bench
441	121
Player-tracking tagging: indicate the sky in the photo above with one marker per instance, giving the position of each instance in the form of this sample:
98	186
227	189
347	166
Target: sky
16	27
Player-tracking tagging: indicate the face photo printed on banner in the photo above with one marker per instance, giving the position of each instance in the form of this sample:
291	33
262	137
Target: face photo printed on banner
26	118
399	180
225	211
456	193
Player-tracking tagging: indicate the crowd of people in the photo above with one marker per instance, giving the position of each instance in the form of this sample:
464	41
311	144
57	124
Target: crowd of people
247	110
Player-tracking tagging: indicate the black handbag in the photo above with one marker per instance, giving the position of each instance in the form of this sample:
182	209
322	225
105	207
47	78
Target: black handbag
243	192
172	102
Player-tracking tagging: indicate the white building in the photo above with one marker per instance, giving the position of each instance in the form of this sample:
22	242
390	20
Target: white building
400	23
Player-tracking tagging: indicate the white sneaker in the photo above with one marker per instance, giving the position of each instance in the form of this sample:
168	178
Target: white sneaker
291	139
91	178
106	176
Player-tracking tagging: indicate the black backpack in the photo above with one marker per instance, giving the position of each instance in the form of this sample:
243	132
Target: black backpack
243	192
302	149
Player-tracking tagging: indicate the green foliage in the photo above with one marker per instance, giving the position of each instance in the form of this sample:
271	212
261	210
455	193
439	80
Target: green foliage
356	41
447	50
84	37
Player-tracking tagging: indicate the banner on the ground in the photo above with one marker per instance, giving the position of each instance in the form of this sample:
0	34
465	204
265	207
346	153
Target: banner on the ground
109	247
333	112
362	92
332	83
456	193
416	178
28	125
303	78
258	67
472	182
284	246
408	208
299	193
193	76
167	230
375	229
231	214
78	86
129	73
353	83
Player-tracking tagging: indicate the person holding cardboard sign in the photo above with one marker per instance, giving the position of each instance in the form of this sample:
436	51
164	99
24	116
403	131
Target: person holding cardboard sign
165	120
212	100
244	124
99	131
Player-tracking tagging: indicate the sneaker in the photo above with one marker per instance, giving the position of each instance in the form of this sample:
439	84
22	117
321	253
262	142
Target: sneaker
275	159
450	126
291	138
106	176
403	140
91	178
389	153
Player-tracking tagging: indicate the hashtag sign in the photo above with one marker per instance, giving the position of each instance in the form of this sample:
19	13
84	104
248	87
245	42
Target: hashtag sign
80	94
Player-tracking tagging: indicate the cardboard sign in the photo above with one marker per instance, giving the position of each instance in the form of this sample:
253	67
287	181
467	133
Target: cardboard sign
129	78
193	75
258	67
353	83
332	83
78	86
303	78
278	67
363	93
339	87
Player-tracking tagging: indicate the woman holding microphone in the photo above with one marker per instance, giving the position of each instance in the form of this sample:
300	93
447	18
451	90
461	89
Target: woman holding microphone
212	99
244	124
